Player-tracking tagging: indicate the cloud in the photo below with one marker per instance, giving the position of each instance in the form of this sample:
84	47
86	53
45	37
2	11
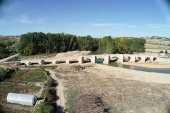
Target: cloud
24	19
124	25
102	24
157	26
76	24
114	25
132	26
41	20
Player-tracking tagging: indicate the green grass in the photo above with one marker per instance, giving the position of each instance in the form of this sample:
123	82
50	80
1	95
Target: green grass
33	75
43	108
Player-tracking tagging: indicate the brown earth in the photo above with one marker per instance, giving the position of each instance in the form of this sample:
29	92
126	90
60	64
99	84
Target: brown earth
117	94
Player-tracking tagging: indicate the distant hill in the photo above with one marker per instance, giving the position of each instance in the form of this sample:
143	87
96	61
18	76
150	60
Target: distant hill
158	40
11	38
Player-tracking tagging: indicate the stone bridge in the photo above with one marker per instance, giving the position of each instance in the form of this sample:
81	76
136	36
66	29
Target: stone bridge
106	59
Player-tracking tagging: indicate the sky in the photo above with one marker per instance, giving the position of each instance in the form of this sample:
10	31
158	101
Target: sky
97	18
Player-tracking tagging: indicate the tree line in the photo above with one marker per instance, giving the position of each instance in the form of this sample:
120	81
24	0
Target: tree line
38	42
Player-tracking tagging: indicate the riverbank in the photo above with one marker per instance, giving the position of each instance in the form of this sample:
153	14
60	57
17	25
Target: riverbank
116	72
148	65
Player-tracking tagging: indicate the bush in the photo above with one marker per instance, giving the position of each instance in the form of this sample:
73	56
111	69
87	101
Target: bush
3	74
44	108
1	111
49	94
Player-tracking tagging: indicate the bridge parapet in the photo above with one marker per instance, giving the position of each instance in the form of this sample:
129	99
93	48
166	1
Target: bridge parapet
106	59
93	59
81	60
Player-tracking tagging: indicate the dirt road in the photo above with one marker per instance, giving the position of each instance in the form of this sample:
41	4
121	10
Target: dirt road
59	89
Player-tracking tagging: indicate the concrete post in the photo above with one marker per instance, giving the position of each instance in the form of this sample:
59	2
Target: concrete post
41	62
67	61
132	58
120	58
106	59
143	59
152	58
28	63
93	59
54	62
81	60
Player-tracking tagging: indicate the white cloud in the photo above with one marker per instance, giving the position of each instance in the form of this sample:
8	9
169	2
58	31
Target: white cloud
41	20
132	26
76	24
102	24
157	26
24	19
115	25
124	25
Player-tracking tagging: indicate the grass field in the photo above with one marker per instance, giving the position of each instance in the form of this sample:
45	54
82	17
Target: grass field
21	81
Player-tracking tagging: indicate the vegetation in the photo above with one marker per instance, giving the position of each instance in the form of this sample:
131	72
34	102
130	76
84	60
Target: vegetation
38	43
5	73
6	48
49	93
44	108
20	81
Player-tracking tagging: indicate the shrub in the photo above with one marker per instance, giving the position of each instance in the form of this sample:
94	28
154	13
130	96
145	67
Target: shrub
3	74
44	108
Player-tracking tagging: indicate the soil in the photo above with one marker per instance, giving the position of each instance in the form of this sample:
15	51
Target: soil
89	103
117	94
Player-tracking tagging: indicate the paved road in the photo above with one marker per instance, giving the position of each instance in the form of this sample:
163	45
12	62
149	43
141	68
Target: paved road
8	58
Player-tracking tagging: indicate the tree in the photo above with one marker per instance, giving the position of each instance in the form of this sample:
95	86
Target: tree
38	42
122	45
106	45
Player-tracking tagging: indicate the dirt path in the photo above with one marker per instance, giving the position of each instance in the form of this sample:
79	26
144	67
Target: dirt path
59	89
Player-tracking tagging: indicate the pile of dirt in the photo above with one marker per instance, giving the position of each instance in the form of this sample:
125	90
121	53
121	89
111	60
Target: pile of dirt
89	103
77	67
74	54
